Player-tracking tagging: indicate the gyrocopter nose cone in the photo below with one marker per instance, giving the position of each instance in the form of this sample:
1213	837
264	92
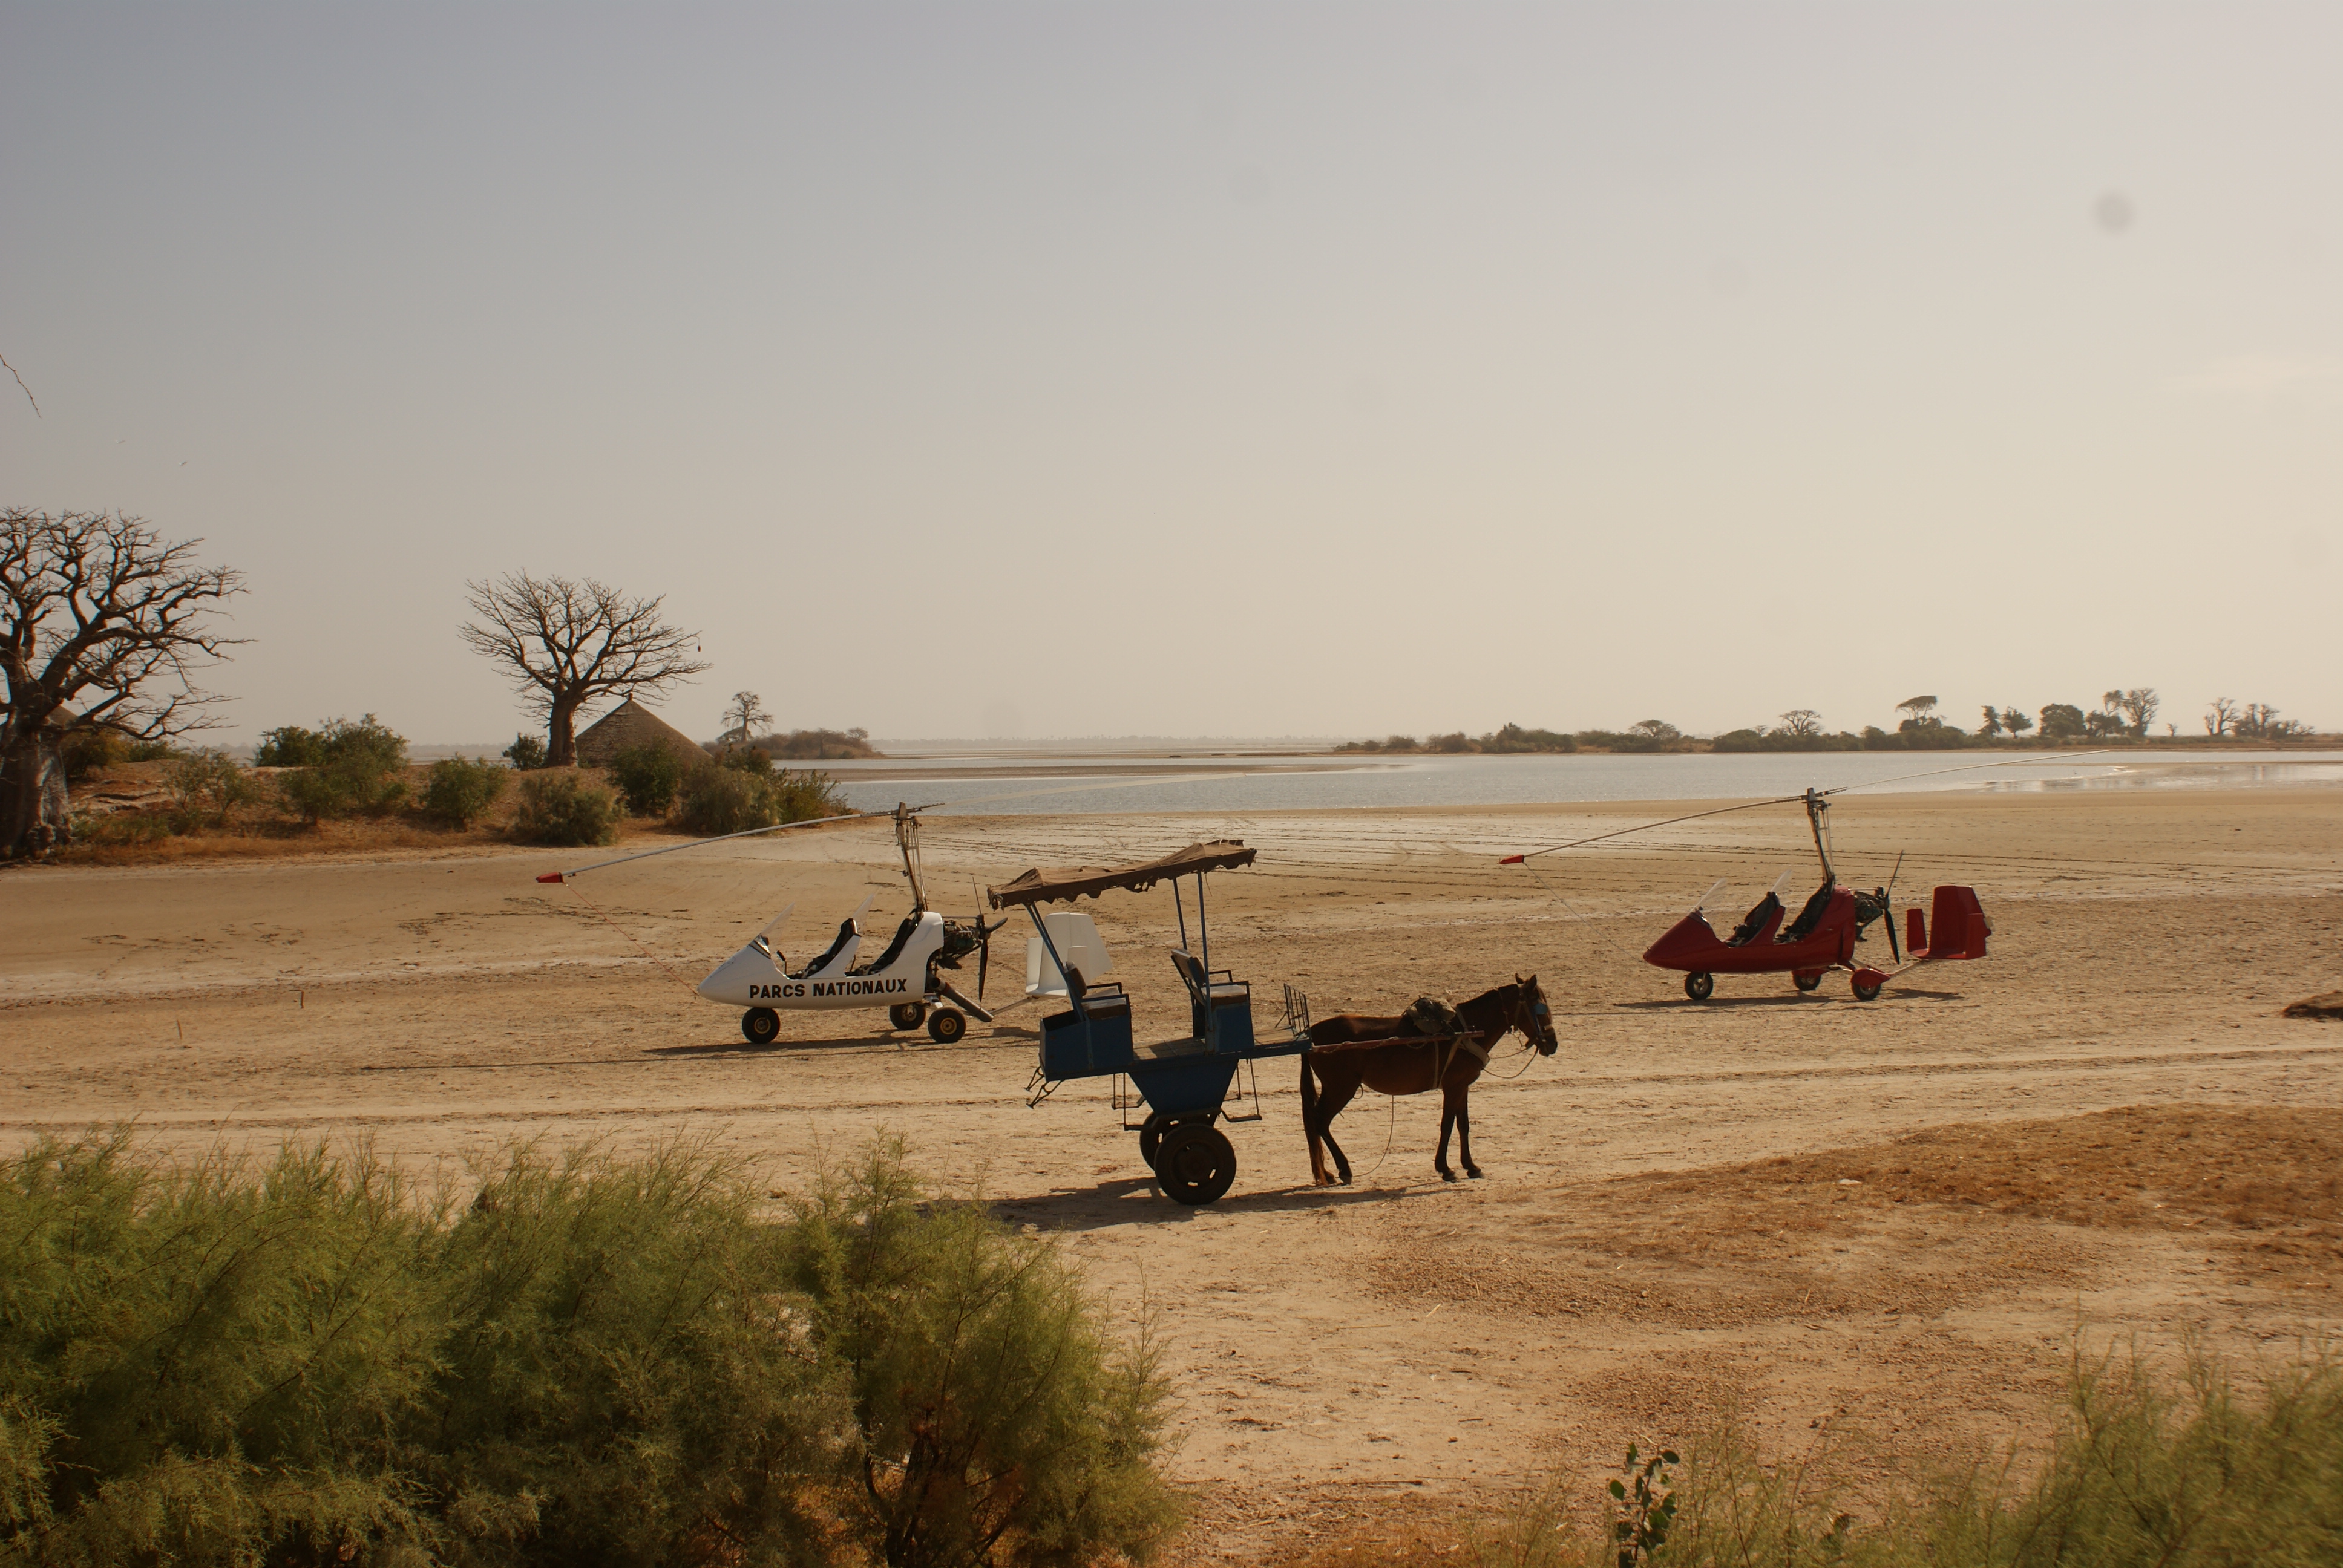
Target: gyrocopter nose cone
724	981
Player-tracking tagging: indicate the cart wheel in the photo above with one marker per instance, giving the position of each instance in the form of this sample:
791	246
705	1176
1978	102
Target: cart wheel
1699	985
1806	982
945	1025
761	1024
1195	1164
1151	1137
907	1014
1867	992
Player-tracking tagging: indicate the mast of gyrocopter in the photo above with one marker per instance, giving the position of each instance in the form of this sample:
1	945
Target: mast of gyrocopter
1817	805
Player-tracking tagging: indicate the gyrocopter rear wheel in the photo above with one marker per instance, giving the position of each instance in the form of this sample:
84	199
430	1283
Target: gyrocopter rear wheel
1805	979
945	1025
907	1014
761	1024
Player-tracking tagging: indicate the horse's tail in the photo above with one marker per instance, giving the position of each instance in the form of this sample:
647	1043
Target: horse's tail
1310	1117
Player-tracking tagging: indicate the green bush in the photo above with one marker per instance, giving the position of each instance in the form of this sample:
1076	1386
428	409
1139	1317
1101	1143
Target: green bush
289	747
461	792
526	753
350	767
207	785
647	776
992	1410
724	799
717	799
595	1360
561	806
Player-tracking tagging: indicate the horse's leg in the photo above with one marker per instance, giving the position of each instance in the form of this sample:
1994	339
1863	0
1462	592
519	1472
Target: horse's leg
1464	1130
1447	1123
1329	1105
1309	1128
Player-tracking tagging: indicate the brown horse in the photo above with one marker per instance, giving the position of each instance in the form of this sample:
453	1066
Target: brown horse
1406	1067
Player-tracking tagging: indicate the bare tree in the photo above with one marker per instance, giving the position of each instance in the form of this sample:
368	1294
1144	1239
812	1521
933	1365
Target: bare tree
741	715
566	643
1802	722
102	625
2259	721
2139	706
2221	717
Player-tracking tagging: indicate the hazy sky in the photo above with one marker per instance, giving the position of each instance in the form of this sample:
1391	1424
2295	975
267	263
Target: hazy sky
1237	369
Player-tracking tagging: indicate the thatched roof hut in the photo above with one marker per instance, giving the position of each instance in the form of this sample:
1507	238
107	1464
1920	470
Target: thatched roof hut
632	724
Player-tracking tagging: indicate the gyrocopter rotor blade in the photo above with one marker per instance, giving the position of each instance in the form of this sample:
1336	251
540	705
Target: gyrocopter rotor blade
1810	795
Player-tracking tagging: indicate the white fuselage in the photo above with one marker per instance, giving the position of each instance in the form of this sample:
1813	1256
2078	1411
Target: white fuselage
753	978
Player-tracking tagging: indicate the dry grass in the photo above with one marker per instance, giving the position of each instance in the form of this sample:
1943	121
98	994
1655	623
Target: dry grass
2267	1179
1864	1229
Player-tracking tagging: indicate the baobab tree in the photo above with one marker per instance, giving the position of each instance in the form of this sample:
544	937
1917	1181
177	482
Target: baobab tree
1801	722
742	715
2221	717
102	626
565	643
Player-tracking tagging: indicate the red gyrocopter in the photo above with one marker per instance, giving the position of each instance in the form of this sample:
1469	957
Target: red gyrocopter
1823	936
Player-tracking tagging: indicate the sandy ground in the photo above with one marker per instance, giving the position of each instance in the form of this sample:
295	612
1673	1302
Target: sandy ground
1892	1216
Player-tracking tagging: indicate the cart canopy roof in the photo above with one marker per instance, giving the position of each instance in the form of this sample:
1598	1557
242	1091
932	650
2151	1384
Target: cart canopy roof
1049	886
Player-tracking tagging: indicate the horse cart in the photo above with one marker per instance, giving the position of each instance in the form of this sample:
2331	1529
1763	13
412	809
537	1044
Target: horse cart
1187	1084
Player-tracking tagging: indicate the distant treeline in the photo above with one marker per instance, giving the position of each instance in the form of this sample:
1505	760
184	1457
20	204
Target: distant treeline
812	745
2125	714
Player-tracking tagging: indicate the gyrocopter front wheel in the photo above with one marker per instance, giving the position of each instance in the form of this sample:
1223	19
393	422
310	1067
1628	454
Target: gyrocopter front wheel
1805	980
907	1014
1700	985
761	1024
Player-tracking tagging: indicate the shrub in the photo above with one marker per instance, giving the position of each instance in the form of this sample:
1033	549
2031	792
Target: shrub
355	766
596	1360
620	1376
526	753
315	1364
562	806
208	784
289	747
990	1404
722	799
647	776
718	800
460	792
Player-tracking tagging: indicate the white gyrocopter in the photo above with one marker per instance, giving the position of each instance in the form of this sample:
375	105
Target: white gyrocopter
903	978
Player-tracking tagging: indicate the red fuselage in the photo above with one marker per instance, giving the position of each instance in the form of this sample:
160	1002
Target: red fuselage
1691	944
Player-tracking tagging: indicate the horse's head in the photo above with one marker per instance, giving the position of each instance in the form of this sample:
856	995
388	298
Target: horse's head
1533	1017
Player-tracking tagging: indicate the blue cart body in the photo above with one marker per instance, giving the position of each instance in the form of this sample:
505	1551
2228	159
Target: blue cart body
1185	1081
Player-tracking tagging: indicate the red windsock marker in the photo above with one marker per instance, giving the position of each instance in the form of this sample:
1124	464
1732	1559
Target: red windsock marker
550	876
1508	860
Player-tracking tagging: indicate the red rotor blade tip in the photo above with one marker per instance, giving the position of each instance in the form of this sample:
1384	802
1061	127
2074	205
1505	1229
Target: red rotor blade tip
550	876
1515	860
